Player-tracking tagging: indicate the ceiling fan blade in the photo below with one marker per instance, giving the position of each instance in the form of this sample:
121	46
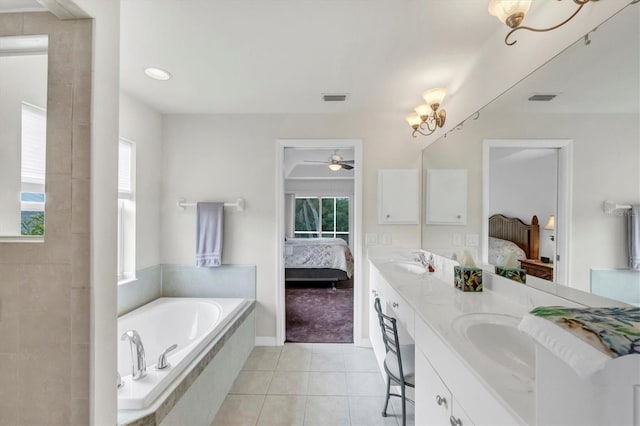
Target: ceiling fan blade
346	166
320	162
348	161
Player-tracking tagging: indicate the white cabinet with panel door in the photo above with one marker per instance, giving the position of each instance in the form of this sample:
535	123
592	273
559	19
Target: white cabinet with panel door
398	197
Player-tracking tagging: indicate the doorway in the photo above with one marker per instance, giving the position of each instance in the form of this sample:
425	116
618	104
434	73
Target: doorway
554	228
318	211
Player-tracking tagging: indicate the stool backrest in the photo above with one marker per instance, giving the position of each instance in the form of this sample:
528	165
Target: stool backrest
389	334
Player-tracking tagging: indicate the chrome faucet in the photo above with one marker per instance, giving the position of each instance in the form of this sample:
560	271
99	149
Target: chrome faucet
138	362
422	259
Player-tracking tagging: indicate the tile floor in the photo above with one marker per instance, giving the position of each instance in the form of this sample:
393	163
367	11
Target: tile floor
309	384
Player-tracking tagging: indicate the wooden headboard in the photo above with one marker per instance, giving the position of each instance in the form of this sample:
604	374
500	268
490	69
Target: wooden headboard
527	237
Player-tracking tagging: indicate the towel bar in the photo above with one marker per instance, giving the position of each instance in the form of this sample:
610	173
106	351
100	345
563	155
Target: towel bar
239	204
608	207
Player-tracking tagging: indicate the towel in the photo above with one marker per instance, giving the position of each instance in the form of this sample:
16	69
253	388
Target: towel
634	238
209	233
585	338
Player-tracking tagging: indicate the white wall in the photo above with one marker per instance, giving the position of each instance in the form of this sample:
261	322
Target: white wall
219	157
606	167
143	126
15	71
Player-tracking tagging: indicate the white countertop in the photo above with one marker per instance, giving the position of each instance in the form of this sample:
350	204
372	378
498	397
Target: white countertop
436	301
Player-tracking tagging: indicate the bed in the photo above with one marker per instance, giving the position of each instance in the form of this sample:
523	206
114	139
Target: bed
511	235
317	259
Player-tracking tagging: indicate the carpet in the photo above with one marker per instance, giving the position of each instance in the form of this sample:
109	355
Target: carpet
319	314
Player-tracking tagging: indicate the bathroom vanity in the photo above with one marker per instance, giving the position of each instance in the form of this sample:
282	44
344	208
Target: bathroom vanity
473	365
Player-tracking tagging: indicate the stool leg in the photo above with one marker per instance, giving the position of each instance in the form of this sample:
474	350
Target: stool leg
386	401
404	405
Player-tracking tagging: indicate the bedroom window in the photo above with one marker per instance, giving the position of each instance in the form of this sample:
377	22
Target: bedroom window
325	217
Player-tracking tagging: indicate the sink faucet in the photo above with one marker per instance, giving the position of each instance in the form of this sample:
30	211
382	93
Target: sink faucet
421	258
138	362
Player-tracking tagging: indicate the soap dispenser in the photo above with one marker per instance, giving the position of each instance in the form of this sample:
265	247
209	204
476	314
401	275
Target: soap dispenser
431	264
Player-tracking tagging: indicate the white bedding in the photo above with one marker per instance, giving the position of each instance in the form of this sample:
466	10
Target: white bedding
332	253
499	251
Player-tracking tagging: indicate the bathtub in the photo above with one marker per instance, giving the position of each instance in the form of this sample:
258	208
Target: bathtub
191	323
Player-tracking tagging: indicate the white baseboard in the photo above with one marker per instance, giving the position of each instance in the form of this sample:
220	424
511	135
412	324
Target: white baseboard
266	341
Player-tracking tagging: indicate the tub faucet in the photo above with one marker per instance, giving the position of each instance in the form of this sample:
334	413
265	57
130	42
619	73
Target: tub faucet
138	362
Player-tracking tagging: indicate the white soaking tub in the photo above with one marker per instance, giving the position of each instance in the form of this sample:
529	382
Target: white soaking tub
191	323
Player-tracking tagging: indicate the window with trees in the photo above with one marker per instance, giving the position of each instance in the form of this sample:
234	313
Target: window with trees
322	217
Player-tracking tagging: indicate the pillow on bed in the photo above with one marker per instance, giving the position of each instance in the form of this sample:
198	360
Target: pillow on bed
499	251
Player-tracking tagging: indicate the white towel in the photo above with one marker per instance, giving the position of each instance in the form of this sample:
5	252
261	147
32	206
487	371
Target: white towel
209	233
634	238
582	357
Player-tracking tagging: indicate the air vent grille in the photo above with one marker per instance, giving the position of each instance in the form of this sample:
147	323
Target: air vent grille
334	97
545	97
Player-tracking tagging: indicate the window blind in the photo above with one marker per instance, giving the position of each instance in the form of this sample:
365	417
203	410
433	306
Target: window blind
34	136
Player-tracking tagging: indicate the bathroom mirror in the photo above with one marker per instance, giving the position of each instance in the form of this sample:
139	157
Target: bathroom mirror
23	129
590	103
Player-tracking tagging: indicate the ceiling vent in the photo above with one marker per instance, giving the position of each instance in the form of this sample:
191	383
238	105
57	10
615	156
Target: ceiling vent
543	97
334	97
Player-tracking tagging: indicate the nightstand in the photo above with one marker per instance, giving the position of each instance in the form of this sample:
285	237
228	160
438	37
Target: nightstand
536	268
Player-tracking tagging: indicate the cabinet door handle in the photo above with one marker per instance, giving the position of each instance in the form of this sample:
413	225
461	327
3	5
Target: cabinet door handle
441	401
395	304
454	421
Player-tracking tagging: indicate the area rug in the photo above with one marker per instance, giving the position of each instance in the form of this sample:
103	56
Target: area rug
319	314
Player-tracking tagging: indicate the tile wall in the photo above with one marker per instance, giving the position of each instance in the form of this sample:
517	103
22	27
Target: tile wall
44	287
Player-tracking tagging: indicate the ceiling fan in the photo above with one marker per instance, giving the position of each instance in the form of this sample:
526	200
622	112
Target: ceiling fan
336	163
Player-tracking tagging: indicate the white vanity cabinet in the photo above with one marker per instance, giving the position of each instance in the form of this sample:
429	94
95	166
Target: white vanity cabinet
436	403
398	197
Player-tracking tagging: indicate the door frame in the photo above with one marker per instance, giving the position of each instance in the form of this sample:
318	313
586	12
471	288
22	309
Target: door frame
358	291
562	267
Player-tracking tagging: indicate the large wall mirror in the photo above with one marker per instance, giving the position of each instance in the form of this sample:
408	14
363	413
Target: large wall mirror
556	146
23	129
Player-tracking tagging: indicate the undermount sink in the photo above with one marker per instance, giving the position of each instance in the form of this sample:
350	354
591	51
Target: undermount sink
411	267
497	338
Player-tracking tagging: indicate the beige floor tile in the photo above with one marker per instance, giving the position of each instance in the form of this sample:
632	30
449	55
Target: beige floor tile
289	383
294	359
324	383
365	384
367	411
397	408
282	410
263	358
360	359
327	411
327	361
322	348
252	382
239	410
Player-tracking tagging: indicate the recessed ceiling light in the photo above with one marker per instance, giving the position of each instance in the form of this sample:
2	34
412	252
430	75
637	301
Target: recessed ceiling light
157	73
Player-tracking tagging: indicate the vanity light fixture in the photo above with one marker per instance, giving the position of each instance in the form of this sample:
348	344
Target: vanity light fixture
157	73
551	226
512	12
427	117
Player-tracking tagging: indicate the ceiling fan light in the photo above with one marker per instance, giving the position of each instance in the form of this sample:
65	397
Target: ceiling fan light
335	167
509	11
434	96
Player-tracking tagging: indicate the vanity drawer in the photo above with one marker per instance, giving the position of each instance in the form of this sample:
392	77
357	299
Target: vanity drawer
397	307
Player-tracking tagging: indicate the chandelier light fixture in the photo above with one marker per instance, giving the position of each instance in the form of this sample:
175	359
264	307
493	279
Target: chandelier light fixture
427	117
512	12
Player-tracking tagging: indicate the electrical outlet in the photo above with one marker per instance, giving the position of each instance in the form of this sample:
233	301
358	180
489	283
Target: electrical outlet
371	239
457	240
386	239
473	240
